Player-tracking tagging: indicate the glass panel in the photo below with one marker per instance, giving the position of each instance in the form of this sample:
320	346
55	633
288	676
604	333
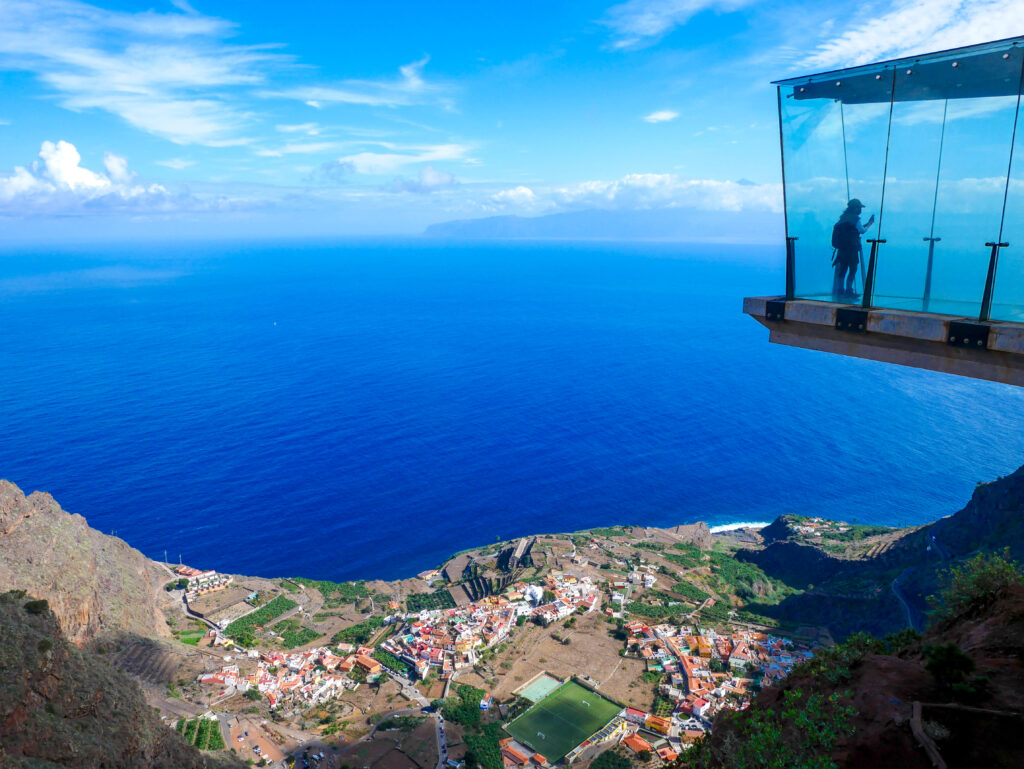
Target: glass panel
915	145
1008	297
976	136
832	152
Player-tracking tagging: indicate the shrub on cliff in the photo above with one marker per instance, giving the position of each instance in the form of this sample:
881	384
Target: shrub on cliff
37	607
975	585
799	736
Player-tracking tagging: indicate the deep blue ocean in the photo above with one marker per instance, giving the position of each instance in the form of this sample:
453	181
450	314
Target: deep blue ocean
364	409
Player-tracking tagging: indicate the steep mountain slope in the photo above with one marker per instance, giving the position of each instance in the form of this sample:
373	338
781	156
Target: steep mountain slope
887	591
65	707
954	698
94	583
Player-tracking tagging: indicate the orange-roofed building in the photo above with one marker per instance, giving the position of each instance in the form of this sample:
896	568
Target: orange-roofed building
658	724
667	754
514	756
368	664
636	743
539	759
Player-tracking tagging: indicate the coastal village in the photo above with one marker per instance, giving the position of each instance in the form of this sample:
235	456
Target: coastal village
681	661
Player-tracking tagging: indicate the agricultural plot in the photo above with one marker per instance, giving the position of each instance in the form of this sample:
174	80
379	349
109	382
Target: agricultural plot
562	720
242	628
203	733
294	634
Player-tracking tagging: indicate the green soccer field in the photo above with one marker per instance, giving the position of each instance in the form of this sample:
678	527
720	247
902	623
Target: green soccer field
562	720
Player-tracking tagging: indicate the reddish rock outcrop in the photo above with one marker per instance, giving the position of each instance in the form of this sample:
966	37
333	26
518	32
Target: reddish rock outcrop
93	582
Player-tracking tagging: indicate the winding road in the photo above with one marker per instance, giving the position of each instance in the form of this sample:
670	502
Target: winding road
903	601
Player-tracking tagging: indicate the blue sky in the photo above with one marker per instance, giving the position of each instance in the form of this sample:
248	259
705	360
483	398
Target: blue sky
255	118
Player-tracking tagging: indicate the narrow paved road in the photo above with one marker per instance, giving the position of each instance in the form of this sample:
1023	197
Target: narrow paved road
903	601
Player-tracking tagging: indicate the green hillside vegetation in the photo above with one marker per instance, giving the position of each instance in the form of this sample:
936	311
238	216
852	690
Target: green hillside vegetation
203	733
388	659
830	529
420	601
464	707
686	555
294	634
689	590
359	633
482	748
242	629
336	593
803	724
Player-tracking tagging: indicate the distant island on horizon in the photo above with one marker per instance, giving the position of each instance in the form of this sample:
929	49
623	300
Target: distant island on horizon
684	225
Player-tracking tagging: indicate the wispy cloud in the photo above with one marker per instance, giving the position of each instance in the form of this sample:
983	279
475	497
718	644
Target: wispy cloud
643	191
410	87
297	148
169	74
429	180
661	116
639	23
176	163
401	156
882	31
310	129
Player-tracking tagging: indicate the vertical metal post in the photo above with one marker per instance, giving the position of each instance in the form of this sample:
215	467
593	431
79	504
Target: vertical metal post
791	268
990	281
869	281
928	273
790	247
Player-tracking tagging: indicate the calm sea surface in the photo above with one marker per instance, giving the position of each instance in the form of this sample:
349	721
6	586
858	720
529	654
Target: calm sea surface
361	410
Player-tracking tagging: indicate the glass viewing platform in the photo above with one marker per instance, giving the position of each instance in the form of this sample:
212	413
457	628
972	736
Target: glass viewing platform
904	202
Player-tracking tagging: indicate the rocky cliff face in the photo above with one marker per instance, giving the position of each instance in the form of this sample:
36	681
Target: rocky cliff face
877	593
974	727
694	533
93	582
61	706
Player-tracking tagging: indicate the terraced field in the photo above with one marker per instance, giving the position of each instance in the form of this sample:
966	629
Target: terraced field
151	661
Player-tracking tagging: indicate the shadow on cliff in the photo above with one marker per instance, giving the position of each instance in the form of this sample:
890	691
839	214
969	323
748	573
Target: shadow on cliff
889	592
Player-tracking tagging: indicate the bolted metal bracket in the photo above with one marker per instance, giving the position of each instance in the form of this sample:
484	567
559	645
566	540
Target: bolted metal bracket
971	335
852	319
775	310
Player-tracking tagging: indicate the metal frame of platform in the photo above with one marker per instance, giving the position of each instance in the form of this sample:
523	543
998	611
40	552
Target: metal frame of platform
962	346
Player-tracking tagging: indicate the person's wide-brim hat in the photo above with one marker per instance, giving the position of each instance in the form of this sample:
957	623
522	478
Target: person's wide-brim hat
855	204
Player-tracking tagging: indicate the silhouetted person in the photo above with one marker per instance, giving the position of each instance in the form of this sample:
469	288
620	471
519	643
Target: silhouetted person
846	242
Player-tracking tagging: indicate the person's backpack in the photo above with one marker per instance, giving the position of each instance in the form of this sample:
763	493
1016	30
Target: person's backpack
845	237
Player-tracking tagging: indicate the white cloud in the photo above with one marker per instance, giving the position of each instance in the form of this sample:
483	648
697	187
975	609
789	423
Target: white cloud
429	180
645	191
661	116
402	156
310	129
59	183
297	148
516	197
639	23
890	30
409	88
176	163
170	74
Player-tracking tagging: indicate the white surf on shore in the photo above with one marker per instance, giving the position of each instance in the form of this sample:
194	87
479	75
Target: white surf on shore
741	525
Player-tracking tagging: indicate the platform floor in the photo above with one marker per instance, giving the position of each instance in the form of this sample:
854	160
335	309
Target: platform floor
1013	313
